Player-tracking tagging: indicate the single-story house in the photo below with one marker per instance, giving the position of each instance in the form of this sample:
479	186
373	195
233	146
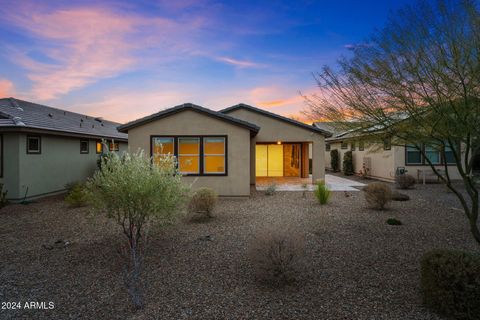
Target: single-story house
227	150
42	149
382	160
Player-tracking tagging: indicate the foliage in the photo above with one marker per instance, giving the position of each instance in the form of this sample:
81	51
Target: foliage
348	163
278	255
405	181
322	193
136	194
394	222
397	196
335	160
271	189
203	201
378	195
3	196
77	195
415	82
104	158
450	282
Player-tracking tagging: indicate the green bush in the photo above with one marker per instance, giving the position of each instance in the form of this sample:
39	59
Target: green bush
405	181
77	196
271	189
322	193
450	283
335	160
394	222
203	201
348	163
377	195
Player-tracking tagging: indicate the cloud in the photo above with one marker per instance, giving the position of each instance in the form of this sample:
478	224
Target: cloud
353	46
84	45
240	63
6	88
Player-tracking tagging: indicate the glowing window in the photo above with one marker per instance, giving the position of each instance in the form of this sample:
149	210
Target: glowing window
113	146
214	155
162	147
99	147
189	155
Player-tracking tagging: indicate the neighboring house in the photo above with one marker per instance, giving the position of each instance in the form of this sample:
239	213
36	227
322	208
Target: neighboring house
226	150
382	160
42	149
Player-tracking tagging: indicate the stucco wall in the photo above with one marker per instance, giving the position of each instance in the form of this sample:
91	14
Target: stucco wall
188	122
59	163
272	130
11	155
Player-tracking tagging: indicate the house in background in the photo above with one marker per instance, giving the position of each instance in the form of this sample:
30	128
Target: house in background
383	160
42	149
230	149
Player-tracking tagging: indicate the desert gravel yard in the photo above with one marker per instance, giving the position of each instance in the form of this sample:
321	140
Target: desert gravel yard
359	267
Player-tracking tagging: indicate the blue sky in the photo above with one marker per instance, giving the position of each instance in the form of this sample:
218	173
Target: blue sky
127	59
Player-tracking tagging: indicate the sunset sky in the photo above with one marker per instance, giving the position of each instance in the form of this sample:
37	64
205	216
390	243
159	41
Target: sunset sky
126	59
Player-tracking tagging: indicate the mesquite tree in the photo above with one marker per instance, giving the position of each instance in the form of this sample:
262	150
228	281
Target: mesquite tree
417	82
135	193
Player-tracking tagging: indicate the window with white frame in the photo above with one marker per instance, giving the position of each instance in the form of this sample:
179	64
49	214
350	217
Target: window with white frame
34	145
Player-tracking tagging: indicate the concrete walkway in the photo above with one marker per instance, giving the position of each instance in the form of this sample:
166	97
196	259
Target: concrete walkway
334	183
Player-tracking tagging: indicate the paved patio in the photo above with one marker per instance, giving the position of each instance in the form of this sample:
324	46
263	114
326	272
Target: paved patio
334	183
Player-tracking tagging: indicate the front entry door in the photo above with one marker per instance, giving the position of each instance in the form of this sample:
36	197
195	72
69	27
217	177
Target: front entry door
278	160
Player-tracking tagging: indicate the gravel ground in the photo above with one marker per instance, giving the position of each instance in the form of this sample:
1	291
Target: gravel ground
359	267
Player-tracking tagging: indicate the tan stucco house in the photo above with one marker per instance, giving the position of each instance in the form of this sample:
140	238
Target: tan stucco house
227	150
42	149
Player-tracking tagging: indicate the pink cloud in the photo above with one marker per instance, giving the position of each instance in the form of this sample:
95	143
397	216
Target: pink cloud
240	63
6	88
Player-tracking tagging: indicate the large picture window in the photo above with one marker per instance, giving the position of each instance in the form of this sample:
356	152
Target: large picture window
195	155
214	155
414	156
433	155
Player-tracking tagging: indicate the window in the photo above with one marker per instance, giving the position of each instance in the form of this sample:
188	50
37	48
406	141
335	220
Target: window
433	155
199	155
327	147
344	145
34	145
352	146
214	155
113	146
162	147
414	156
387	144
361	146
189	155
84	147
99	147
449	156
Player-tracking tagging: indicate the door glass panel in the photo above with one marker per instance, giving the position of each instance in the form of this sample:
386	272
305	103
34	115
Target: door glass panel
261	156
275	160
291	156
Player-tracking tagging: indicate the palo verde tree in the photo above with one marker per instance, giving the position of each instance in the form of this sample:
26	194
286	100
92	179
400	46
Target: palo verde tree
136	194
416	82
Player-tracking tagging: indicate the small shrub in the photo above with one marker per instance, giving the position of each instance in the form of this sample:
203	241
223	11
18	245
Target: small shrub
348	163
271	189
394	222
450	283
378	195
278	256
335	160
203	201
405	181
3	196
322	193
77	197
397	196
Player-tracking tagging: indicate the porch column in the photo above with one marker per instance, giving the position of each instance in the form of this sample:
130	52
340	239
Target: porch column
305	158
253	143
318	158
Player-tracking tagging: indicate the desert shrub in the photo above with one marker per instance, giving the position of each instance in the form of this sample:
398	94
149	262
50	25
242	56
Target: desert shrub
394	222
404	181
136	194
278	256
271	189
378	195
348	163
203	201
450	283
77	195
322	193
335	160
3	196
397	196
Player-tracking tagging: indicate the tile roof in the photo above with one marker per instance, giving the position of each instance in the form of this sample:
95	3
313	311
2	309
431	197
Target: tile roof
19	114
276	116
188	106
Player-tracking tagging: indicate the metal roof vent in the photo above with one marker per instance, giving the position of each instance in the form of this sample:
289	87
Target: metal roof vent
99	119
15	104
18	121
50	115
